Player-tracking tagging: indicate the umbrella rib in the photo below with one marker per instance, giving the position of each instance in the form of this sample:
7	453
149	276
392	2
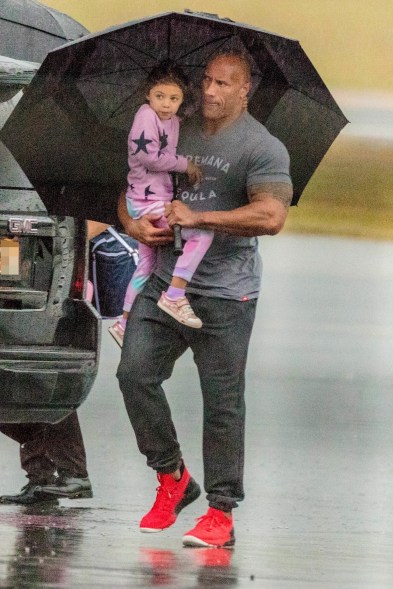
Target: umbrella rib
120	106
26	26
121	43
94	77
118	45
137	66
53	17
185	55
312	98
327	106
204	45
169	36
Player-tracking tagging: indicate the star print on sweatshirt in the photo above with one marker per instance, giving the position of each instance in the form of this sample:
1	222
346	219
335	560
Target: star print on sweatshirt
152	156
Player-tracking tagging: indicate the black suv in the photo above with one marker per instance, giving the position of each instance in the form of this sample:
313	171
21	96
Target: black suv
49	332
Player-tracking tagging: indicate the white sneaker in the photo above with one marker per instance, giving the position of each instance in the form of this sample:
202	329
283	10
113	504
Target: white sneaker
179	309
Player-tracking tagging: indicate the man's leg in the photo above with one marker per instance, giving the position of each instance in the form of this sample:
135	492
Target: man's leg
47	450
40	470
65	447
220	352
153	341
149	352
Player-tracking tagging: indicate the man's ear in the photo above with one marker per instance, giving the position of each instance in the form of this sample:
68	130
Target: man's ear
245	89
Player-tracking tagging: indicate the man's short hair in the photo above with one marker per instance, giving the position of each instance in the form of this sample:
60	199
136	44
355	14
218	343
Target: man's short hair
242	57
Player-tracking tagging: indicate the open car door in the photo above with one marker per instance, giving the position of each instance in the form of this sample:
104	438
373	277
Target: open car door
49	332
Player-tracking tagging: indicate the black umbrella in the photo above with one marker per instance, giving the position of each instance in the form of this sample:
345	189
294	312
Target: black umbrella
29	30
76	114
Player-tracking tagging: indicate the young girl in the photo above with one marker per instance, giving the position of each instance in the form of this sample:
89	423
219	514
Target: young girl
152	156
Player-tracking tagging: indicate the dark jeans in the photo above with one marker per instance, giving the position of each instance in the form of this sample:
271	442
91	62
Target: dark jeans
153	342
46	448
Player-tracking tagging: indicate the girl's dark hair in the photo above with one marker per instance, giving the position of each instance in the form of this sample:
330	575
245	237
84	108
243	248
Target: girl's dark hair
167	72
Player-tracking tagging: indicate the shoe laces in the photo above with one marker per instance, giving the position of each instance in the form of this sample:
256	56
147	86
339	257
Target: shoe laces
164	497
184	307
211	519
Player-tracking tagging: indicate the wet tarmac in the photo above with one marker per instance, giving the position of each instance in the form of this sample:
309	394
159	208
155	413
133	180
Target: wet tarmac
319	471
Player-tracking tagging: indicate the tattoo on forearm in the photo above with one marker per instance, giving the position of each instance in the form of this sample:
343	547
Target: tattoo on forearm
279	190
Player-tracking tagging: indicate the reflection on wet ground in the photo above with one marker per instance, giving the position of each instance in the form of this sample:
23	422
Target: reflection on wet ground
72	547
319	493
44	541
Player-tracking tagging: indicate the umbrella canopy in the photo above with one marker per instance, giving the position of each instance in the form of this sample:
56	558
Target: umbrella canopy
76	114
29	30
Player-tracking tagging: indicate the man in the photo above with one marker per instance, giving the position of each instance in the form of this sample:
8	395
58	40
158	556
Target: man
54	458
246	192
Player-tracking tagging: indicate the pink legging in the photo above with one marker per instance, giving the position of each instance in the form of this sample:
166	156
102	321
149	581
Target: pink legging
197	242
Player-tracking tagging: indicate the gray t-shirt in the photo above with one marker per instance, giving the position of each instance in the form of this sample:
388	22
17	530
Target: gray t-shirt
241	155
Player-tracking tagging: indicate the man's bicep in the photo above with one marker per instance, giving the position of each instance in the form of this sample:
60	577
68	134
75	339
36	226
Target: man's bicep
282	191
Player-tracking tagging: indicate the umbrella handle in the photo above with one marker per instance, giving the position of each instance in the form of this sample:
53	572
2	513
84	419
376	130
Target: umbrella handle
178	245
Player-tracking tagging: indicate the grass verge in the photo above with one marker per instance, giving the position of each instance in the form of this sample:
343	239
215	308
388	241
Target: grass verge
351	193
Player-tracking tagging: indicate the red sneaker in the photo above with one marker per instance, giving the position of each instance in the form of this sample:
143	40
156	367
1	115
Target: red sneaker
172	497
214	529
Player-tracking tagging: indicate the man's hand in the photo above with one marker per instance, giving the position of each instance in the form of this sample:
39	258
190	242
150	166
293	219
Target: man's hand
143	229
177	213
264	215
